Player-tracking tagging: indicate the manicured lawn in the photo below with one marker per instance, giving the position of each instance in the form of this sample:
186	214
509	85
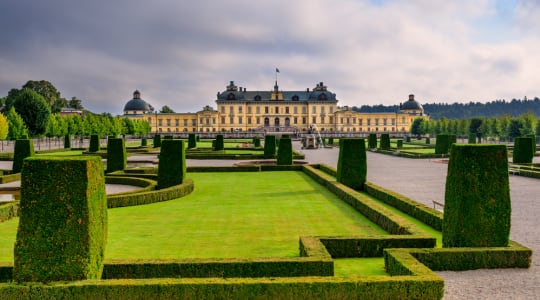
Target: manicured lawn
421	151
62	153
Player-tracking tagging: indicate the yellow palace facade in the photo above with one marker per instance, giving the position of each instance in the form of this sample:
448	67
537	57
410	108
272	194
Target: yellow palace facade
243	112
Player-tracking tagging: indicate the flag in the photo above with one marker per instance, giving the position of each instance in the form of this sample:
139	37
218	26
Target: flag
277	70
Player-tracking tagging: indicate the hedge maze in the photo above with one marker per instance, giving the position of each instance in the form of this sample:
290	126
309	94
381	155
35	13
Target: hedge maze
410	254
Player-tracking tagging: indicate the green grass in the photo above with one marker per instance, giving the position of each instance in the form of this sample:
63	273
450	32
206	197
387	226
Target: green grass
420	151
62	153
356	267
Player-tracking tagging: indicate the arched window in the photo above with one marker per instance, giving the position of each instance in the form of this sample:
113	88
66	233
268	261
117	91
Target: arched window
323	97
257	98
266	122
276	122
295	98
231	96
287	122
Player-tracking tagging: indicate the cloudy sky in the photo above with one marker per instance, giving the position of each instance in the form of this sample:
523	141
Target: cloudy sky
181	53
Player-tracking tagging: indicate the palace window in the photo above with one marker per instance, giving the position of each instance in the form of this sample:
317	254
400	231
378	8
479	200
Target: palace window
286	109
185	122
295	120
193	122
239	120
258	109
304	120
323	97
249	120
277	109
304	110
231	120
168	122
231	109
314	109
160	122
313	120
222	120
240	109
258	120
295	110
223	109
331	109
231	96
295	98
249	109
257	98
177	122
266	109
322	109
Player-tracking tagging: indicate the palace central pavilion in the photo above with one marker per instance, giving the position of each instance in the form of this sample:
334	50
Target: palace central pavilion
295	112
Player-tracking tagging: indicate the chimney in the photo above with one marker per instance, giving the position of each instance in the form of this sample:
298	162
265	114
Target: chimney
411	97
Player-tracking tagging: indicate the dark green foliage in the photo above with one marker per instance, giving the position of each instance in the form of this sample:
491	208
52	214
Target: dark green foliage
116	155
24	137
144	142
472	138
192	141
373	246
256	142
157	140
444	142
330	141
198	138
168	137
63	220
523	150
23	149
67	141
34	110
148	197
428	141
269	146
408	139
385	141
172	163
352	165
94	143
220	144
399	143
533	137
477	208
284	154
372	141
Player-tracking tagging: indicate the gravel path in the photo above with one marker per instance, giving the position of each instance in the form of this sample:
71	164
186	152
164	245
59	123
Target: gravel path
424	181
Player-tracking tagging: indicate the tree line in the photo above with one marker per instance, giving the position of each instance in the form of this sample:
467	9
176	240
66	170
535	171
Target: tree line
34	111
495	108
502	128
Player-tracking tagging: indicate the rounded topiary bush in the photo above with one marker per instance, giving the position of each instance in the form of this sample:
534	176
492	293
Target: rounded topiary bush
157	141
23	148
385	141
352	163
94	143
219	144
269	146
172	164
256	142
444	142
523	150
62	231
428	141
372	141
67	141
408	139
192	141
144	142
285	153
477	207
116	155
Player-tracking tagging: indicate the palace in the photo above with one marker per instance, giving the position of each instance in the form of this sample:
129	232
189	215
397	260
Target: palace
241	111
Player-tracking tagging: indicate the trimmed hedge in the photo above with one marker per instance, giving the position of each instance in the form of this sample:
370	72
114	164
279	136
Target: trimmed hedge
399	143
168	137
477	208
62	231
144	142
219	143
256	142
23	148
166	194
285	153
408	139
9	211
172	163
116	154
94	143
157	141
352	163
385	141
192	141
67	141
428	141
373	246
523	150
330	141
372	141
269	146
444	142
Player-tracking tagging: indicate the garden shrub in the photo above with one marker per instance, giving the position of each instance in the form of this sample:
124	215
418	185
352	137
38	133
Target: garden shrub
523	150
23	149
256	142
168	137
144	142
284	154
408	139
385	141
220	144
197	138
428	141
472	138
352	165
116	155
399	143
269	146
172	163
94	143
372	141
477	208
62	231
157	140
192	141
444	142
67	141
330	141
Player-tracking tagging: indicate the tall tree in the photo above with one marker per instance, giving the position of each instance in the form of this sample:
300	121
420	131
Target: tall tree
475	128
418	127
75	103
165	109
47	90
17	128
4	127
34	110
10	98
